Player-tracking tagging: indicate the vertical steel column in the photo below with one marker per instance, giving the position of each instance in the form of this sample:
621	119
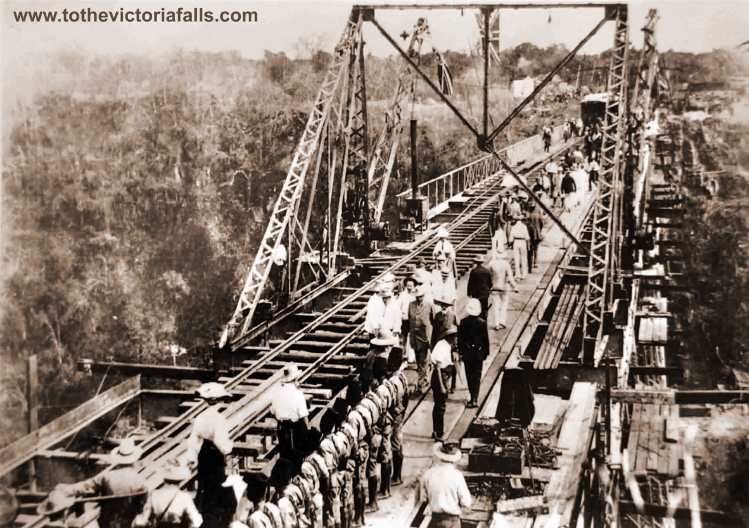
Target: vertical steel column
487	13
609	189
414	169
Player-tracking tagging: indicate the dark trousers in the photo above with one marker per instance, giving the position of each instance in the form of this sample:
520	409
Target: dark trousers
291	436
387	474
473	377
532	254
360	501
444	520
440	403
484	306
592	180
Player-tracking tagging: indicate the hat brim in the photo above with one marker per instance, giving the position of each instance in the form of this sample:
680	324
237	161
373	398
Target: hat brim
453	458
115	458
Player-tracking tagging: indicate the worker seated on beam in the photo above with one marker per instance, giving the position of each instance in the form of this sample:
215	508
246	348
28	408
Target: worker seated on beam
289	407
170	506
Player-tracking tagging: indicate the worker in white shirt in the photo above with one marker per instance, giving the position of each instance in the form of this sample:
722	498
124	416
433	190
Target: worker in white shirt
444	248
209	445
442	363
444	488
279	257
289	407
502	280
520	239
375	314
169	505
593	169
499	241
443	282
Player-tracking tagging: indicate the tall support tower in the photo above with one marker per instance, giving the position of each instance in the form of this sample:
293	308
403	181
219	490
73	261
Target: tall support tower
608	201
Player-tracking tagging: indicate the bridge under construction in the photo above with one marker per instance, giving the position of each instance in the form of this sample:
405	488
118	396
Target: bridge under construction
594	324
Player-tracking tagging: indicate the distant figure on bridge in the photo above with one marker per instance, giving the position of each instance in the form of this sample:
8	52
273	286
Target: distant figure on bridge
502	280
480	284
420	313
170	506
520	239
209	445
473	347
535	224
593	170
546	136
444	248
442	366
444	488
568	190
289	407
276	274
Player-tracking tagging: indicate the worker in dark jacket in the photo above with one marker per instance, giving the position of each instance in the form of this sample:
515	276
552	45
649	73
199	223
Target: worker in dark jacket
473	344
480	284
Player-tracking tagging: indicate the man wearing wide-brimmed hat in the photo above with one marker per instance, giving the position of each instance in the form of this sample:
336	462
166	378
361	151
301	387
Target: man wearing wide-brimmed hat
480	283
124	480
444	317
169	505
289	407
209	445
444	488
473	345
442	363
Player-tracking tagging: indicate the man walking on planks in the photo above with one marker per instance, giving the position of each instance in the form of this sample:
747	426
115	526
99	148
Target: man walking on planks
442	363
444	488
420	313
473	344
480	283
502	280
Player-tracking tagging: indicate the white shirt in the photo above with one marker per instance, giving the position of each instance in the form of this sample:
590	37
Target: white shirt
171	505
209	425
375	316
519	232
393	316
445	489
288	403
443	288
499	240
405	298
442	354
594	166
444	247
581	179
280	255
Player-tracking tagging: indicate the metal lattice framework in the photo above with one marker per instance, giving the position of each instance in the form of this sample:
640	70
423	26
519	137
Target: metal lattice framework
608	201
386	147
288	198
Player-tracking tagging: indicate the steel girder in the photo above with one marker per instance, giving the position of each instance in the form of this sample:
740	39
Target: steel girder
288	199
605	215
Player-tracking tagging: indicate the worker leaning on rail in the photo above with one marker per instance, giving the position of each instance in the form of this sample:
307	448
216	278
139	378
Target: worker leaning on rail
444	488
208	446
170	506
289	407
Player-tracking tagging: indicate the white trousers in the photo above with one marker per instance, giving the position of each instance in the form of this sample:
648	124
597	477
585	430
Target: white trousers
499	300
520	256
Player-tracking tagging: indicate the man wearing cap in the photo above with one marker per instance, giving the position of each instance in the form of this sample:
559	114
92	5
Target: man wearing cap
420	314
208	445
289	407
170	506
480	283
444	488
442	364
473	344
520	238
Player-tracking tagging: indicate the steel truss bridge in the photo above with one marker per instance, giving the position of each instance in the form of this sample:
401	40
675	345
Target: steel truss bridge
343	167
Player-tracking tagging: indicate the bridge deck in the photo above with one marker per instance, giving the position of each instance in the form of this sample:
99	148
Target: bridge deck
525	308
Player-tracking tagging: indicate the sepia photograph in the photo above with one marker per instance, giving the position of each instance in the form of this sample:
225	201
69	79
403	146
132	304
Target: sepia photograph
374	264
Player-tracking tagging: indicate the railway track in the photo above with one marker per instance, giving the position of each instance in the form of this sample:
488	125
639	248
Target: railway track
327	347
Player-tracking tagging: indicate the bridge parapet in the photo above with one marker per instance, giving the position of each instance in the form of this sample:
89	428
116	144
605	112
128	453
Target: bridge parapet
452	183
